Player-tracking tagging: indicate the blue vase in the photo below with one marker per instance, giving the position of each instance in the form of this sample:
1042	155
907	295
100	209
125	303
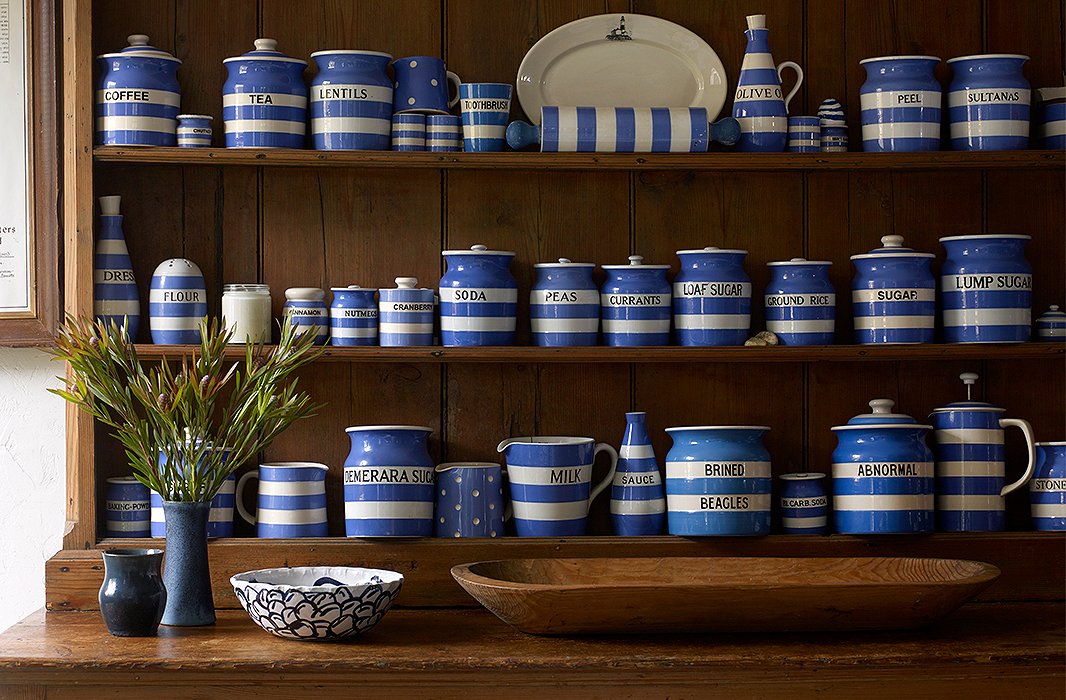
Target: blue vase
988	103
1051	326
800	302
138	96
712	298
132	596
1047	490
186	575
264	99
305	307
718	481
638	504
388	482
127	508
893	295
900	103
986	289
758	103
115	296
353	316
405	314
478	298
178	303
351	101
804	504
564	305
635	304
882	474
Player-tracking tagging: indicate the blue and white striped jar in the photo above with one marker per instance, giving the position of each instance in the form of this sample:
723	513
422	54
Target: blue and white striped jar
986	289
138	97
485	107
638	502
405	314
1051	326
291	500
444	133
804	135
127	508
635	304
1047	490
194	130
408	132
800	302
718	481
758	103
804	504
305	307
901	104
264	99
712	298
1052	129
988	103
388	482
834	129
882	474
177	303
478	298
893	295
219	520
115	296
353	316
564	305
351	101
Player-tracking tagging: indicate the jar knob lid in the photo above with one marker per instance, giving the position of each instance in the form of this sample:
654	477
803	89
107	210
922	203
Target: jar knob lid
636	259
1053	307
969	379
798	260
354	286
406	282
138	39
882	405
564	261
266	44
479	246
892	241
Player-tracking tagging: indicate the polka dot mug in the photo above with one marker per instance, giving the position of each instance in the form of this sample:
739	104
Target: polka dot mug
470	500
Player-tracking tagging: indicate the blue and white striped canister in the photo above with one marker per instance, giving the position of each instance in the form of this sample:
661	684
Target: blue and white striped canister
834	129
353	316
485	107
478	298
408	132
758	103
564	305
388	482
618	130
115	296
893	295
194	130
635	304
127	508
1047	490
638	502
800	302
712	297
306	308
264	99
986	289
405	315
138	97
1052	117
219	521
804	504
177	303
291	500
351	101
988	103
804	135
1051	326
901	104
444	133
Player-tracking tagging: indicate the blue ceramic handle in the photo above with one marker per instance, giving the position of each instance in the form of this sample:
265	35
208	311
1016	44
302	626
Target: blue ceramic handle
726	131
521	134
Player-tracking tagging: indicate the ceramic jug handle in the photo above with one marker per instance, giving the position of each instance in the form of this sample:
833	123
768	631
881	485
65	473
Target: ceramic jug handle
239	501
607	480
799	79
454	80
1027	431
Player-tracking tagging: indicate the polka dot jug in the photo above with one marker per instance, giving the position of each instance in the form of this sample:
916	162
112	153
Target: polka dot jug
470	500
422	86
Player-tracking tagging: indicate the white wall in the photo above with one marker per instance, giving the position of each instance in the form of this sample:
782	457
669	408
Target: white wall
32	478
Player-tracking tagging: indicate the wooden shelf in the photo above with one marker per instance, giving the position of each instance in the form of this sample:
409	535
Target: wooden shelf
726	162
538	355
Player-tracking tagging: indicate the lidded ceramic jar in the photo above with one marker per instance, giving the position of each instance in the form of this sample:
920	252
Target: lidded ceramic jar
1047	490
351	101
635	304
388	482
478	298
893	294
305	307
988	103
712	297
264	99
986	289
405	314
901	104
1051	326
800	302
353	316
138	96
564	305
882	474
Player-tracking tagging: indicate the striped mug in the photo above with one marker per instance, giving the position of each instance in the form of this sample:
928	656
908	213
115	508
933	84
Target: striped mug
127	508
291	500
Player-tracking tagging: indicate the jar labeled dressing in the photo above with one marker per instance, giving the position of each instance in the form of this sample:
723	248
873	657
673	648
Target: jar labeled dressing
246	312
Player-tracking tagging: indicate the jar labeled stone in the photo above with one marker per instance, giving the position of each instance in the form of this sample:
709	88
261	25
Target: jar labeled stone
893	295
246	312
353	316
138	97
405	314
800	302
712	297
564	305
635	304
305	307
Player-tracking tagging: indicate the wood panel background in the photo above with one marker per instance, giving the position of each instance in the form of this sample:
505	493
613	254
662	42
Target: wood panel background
305	227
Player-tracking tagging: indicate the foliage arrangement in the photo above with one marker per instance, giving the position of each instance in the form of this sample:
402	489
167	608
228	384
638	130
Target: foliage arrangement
211	411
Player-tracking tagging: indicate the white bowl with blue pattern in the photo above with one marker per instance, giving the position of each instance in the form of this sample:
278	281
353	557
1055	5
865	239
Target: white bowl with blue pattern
317	603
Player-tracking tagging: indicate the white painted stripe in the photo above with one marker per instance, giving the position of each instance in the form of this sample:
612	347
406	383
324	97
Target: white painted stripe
1055	128
886	99
989	127
418	141
776	124
979	436
1051	332
158	296
894	502
866	323
757	61
686	322
308	516
694	503
876	295
816	521
630	507
814	129
570	510
404	328
548	476
850	470
987	317
806	326
268	126
705	470
565	325
643	134
484	131
175	323
339	332
961	98
142	96
117	307
128	525
255	99
399	510
291	488
478	295
970	502
405	307
626	300
566	136
1048	510
680	131
636	452
482	324
645	326
444	132
975	468
901	130
606	130
157	124
347	91
350	125
111	246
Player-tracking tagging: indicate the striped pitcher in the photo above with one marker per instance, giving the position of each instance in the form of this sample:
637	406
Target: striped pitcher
291	501
115	296
758	104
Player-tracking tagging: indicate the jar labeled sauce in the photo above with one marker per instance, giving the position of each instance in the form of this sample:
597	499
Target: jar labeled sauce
246	312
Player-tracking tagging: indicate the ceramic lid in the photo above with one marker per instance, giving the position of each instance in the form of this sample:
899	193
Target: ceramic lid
195	116
1050	444
1051	93
304	294
969	379
713	249
266	50
831	113
799	261
565	262
406	283
478	249
139	48
350	52
802	476
979	56
636	262
986	236
353	288
1053	314
122	480
899	58
377	428
881	417
718	427
892	247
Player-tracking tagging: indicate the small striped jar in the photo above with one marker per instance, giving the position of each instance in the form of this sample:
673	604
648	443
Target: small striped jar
1051	326
635	303
901	104
988	103
804	504
353	316
485	107
405	314
194	130
478	298
264	99
800	302
1047	490
804	135
444	133
305	307
127	508
408	132
893	295
1052	120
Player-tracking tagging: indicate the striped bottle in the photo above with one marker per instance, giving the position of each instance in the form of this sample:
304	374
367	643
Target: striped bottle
564	305
388	482
194	130
834	130
800	302
804	504
758	103
408	132
804	135
353	316
618	129
405	314
177	303
1051	326
638	503
291	501
305	307
485	107
264	99
900	102
635	304
138	97
478	298
988	103
712	297
115	296
986	289
444	133
219	521
1047	490
127	508
893	295
351	101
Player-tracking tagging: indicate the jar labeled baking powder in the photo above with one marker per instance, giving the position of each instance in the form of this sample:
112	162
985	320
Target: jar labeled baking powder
246	312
